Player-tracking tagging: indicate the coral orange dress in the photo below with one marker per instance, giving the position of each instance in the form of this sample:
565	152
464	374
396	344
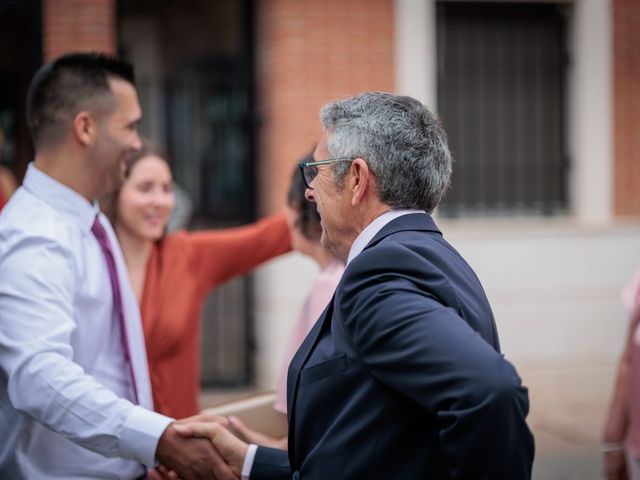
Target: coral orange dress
183	268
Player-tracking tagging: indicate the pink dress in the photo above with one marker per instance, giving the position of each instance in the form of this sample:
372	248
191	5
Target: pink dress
631	302
318	298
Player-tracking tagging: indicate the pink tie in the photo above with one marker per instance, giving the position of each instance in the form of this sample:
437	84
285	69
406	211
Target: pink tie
100	233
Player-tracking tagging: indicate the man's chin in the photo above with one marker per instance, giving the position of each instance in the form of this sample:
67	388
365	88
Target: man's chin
113	183
323	239
331	246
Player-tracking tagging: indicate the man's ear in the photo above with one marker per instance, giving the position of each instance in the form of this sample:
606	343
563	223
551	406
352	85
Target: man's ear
84	128
360	181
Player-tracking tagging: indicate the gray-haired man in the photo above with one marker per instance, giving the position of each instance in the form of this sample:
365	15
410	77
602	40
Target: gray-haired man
402	376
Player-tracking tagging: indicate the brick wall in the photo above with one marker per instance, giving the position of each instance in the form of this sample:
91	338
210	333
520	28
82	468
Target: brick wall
626	135
78	25
309	52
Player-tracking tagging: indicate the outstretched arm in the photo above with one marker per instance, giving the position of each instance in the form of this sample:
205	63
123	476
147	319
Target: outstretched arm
229	252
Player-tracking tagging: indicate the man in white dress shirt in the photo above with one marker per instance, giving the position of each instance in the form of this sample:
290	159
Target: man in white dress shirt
75	396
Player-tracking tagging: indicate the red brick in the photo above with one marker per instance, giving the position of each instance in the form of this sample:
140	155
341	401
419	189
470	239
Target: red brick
310	52
626	84
77	25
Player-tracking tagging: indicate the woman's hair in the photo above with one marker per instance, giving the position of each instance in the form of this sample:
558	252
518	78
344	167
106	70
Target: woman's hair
109	203
308	221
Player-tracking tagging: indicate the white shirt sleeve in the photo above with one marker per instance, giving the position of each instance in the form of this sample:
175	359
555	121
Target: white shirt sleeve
36	329
247	465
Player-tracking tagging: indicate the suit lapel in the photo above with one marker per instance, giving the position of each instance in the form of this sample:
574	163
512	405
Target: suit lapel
406	222
296	365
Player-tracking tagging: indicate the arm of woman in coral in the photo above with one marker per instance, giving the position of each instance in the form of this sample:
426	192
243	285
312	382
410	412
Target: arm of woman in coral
230	252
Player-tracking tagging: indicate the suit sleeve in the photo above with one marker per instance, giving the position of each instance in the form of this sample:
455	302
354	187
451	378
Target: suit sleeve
220	255
424	350
270	464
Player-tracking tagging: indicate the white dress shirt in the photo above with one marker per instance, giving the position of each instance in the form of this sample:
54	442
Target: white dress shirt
65	388
371	230
357	246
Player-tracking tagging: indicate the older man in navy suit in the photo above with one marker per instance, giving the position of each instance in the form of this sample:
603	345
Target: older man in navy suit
402	376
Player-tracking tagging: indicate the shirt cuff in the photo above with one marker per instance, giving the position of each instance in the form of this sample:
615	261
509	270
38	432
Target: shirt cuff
247	465
140	435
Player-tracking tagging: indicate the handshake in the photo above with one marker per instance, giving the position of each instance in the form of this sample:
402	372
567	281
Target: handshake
199	447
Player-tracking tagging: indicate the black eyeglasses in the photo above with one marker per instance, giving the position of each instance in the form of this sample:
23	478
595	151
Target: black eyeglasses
309	170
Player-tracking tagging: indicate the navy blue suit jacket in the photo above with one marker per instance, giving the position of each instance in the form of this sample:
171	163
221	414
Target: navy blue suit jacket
402	376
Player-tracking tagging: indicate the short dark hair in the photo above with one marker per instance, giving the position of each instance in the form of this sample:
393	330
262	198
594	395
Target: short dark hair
308	221
65	86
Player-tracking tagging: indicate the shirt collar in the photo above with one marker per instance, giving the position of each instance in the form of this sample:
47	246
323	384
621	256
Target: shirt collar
373	228
60	197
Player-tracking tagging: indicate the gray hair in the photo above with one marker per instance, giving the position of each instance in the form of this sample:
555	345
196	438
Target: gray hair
401	141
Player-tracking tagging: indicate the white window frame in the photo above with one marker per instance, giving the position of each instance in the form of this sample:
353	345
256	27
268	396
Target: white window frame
589	94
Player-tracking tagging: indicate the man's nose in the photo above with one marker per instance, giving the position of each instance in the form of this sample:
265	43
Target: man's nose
308	194
136	144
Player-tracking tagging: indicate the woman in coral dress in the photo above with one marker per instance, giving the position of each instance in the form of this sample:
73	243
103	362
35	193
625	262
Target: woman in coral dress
172	274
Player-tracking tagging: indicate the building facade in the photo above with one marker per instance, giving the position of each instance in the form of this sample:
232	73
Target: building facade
541	99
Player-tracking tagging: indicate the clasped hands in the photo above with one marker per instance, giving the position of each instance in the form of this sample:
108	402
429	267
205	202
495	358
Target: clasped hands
199	447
